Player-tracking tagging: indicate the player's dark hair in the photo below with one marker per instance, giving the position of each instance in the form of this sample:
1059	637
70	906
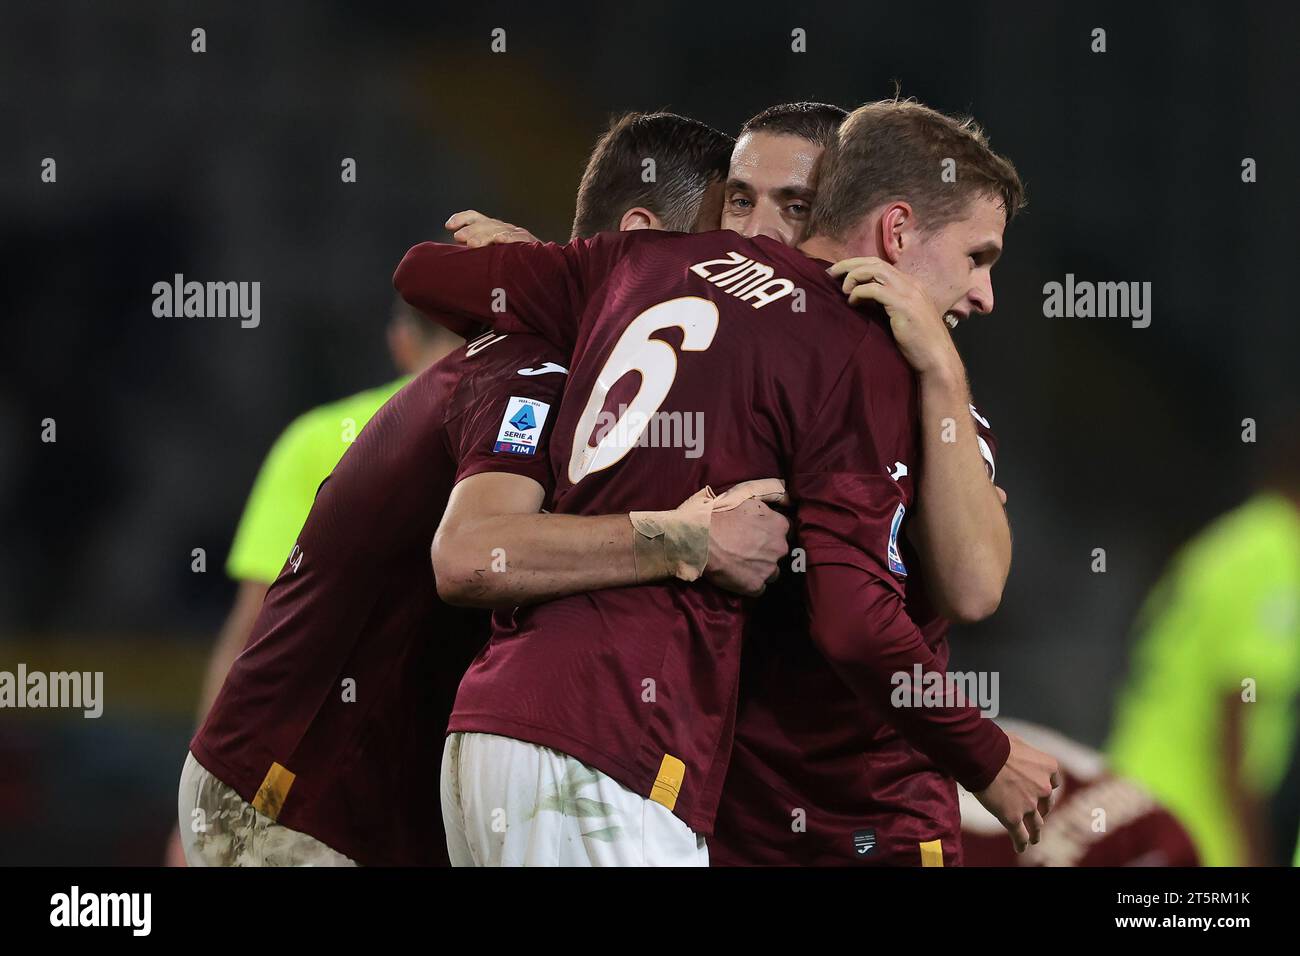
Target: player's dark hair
815	122
900	150
688	156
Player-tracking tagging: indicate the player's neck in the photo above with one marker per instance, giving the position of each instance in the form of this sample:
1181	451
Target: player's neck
824	247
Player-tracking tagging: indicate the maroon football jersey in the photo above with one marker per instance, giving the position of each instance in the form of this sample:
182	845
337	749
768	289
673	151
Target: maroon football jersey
754	346
817	777
351	669
1098	819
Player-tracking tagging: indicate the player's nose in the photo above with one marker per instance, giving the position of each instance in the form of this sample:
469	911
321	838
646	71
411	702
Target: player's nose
981	297
767	221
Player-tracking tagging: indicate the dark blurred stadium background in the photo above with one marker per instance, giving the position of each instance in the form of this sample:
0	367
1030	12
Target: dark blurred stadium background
225	165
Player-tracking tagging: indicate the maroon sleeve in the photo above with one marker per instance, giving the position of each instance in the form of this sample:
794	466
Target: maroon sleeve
848	510
477	433
516	287
535	287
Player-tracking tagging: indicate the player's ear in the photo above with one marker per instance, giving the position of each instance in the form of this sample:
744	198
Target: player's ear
897	229
638	217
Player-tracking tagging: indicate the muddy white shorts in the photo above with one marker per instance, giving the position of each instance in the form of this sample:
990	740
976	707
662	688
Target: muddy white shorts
506	802
220	828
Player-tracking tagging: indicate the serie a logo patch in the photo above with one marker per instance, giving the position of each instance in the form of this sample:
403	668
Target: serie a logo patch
521	426
895	556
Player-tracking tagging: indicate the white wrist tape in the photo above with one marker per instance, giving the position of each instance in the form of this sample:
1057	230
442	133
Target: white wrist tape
673	543
676	543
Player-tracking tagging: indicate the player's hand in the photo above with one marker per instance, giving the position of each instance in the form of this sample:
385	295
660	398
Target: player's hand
915	320
1020	796
745	543
767	490
473	229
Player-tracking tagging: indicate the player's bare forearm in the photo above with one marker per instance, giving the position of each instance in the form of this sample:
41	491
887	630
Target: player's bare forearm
502	561
961	529
494	550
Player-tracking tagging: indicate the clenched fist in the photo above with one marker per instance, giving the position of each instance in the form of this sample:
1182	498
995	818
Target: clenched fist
747	538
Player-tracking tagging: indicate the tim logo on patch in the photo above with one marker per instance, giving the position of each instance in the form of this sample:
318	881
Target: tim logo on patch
521	426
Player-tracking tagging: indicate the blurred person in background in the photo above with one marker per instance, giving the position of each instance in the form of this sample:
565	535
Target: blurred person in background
1098	819
1207	719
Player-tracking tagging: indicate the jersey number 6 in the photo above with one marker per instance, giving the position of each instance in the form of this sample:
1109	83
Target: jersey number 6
656	360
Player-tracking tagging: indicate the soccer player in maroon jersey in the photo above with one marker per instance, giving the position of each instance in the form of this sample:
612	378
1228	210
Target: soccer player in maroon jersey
321	746
770	191
829	787
552	706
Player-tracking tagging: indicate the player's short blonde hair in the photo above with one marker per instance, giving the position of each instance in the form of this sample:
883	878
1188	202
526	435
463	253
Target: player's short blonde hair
898	150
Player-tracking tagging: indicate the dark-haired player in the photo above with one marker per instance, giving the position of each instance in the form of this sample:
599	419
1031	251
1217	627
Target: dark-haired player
772	181
299	460
321	747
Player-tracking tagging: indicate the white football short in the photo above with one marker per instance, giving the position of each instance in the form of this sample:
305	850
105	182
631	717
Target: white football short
221	828
506	802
